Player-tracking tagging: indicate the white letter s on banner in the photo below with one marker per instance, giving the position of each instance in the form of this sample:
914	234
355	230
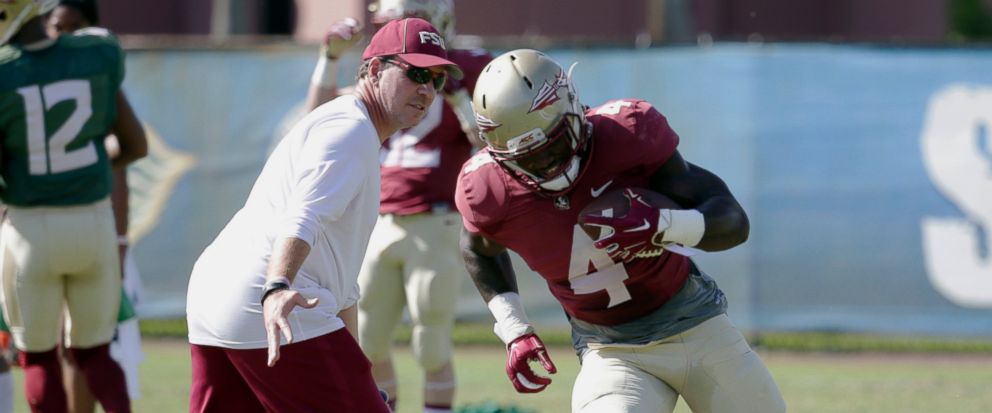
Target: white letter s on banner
956	251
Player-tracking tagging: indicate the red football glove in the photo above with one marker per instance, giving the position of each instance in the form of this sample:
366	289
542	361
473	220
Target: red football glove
632	233
518	356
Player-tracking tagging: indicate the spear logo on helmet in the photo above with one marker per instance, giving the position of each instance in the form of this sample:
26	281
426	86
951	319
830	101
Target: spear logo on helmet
549	93
486	125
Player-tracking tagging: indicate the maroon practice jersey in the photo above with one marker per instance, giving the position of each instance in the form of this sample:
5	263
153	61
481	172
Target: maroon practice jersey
630	141
420	165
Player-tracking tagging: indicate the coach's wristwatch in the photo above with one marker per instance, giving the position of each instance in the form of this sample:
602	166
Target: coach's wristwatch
271	286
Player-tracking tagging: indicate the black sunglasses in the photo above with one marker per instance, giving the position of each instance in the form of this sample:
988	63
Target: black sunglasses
420	75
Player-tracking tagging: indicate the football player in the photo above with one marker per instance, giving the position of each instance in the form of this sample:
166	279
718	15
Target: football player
57	180
646	329
413	258
78	17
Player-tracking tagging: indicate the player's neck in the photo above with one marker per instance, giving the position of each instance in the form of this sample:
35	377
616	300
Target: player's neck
366	93
32	35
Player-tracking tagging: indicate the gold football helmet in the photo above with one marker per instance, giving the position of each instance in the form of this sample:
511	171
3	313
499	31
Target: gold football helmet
15	13
531	119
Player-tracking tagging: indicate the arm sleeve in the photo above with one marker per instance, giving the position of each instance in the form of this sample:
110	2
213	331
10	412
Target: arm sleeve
351	297
329	173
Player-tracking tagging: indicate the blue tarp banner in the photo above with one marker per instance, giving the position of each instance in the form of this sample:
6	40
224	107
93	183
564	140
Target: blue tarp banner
866	171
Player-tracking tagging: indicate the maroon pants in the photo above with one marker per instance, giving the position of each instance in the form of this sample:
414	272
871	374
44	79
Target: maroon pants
324	374
43	379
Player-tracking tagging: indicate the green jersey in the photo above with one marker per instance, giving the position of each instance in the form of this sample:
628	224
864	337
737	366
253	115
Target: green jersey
57	105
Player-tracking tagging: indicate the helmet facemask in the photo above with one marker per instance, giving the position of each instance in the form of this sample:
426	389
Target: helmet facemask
552	166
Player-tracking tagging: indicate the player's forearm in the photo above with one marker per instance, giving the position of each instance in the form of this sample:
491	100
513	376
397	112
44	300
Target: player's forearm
724	224
488	265
318	95
323	82
727	225
350	317
341	37
130	134
492	275
119	204
287	258
119	201
461	104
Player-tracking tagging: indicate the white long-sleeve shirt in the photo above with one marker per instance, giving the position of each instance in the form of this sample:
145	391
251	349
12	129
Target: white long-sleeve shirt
321	185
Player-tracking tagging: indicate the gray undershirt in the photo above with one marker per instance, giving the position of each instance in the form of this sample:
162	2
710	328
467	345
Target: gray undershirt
699	300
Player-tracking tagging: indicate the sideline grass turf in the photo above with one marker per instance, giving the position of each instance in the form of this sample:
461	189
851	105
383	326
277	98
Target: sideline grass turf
811	382
482	334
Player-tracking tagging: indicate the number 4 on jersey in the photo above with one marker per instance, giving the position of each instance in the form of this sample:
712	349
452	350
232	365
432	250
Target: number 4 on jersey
607	275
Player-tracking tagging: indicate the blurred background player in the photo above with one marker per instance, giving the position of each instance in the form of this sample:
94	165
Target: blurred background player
57	174
78	17
413	256
647	329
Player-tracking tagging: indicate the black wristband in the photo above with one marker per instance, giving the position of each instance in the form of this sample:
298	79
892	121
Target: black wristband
271	287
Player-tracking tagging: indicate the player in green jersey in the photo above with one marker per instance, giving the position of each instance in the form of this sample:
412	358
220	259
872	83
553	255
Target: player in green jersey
80	18
58	246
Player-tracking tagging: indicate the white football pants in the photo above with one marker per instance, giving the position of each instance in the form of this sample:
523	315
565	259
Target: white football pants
55	256
711	366
414	261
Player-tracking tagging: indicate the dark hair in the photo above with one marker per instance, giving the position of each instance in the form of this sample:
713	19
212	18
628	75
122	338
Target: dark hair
86	7
364	68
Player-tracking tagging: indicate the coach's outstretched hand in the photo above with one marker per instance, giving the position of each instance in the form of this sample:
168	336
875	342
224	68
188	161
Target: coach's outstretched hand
518	356
274	311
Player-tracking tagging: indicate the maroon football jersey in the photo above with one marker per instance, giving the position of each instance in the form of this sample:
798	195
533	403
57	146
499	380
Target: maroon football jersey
420	165
630	141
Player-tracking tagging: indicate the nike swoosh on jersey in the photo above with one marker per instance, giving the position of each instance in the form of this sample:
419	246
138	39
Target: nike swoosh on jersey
643	227
596	192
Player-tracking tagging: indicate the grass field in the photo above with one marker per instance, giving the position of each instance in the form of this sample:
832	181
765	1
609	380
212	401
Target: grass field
811	381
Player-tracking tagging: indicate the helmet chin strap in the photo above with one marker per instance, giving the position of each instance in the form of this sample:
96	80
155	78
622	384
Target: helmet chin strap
564	180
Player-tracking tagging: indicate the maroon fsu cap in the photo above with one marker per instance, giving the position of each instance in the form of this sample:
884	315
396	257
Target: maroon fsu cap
413	40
